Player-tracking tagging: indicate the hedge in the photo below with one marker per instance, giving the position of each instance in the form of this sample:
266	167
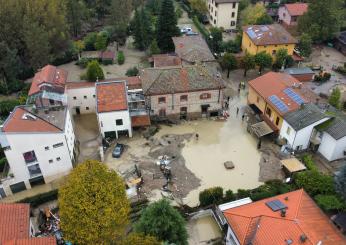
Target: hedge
212	195
200	27
39	199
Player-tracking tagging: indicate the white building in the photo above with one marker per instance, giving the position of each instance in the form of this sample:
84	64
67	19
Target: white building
39	144
113	113
223	13
333	139
298	126
81	97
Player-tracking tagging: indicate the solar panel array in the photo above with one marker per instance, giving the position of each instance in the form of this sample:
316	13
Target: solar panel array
252	34
278	103
294	96
276	205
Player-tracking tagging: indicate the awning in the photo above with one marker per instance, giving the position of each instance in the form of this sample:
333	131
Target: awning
293	165
261	129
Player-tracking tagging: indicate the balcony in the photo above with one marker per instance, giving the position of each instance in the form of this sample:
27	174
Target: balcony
135	97
34	170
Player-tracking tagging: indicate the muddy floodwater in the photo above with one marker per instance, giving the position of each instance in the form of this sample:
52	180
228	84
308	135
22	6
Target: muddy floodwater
219	142
203	229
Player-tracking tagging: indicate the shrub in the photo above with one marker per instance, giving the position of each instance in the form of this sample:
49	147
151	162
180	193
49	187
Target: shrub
132	72
94	71
7	106
309	162
121	57
329	202
209	196
107	62
39	199
89	41
229	196
83	62
241	193
101	40
3	162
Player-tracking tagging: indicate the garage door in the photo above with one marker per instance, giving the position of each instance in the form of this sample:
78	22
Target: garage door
18	187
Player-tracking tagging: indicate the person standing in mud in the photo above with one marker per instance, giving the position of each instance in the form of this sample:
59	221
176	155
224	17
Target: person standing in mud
197	136
237	111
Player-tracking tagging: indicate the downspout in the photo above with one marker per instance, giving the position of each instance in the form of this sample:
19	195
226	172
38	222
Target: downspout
218	98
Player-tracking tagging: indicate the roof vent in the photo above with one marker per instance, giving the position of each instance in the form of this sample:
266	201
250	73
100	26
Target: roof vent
289	241
303	238
283	212
28	116
286	198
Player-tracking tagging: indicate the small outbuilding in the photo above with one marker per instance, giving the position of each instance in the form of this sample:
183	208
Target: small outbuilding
292	165
107	57
304	74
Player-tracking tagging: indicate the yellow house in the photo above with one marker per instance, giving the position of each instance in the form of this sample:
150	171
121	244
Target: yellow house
273	95
268	38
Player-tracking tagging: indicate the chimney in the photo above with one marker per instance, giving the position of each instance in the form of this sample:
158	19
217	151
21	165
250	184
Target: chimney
303	238
283	212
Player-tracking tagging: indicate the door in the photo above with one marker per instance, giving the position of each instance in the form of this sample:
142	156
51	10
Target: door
204	109
15	188
77	110
183	113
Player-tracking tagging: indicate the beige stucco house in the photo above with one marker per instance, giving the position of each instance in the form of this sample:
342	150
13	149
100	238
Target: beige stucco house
223	13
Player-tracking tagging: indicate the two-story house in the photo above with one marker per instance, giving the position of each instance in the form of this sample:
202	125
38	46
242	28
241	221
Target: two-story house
273	95
268	38
183	92
289	13
223	13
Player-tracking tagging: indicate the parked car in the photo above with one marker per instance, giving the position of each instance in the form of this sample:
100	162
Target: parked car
185	29
191	33
118	150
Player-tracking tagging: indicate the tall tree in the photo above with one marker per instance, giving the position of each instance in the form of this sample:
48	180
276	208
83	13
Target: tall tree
253	14
154	48
248	63
263	60
281	58
215	39
94	71
9	65
161	220
335	97
305	44
93	205
199	6
166	26
142	31
229	62
76	13
120	12
322	20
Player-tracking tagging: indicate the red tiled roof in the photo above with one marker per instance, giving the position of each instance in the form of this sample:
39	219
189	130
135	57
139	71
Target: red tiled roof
140	121
111	96
32	241
77	85
14	221
17	123
258	224
273	83
48	74
162	60
296	9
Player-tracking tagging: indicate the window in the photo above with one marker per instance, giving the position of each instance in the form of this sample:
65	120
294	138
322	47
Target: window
215	13
162	100
162	112
46	148
277	121
232	23
269	112
234	5
258	99
74	97
85	97
87	108
274	52
51	102
34	170
183	98
215	22
288	130
233	14
50	161
58	158
29	157
205	96
119	122
58	145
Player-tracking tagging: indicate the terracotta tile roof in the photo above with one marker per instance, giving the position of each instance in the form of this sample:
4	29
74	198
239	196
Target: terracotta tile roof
24	120
32	241
139	121
179	80
274	83
162	60
192	49
50	75
296	9
258	224
77	85
268	35
14	221
111	96
107	55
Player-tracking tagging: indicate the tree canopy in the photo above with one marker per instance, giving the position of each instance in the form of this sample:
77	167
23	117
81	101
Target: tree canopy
255	15
140	239
142	29
161	220
248	62
200	6
228	62
263	60
93	205
334	98
94	71
305	45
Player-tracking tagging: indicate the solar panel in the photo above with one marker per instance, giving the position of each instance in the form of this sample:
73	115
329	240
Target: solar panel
276	205
251	33
278	103
294	96
264	28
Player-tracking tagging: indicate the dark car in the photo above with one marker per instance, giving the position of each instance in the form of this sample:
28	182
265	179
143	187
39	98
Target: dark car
118	150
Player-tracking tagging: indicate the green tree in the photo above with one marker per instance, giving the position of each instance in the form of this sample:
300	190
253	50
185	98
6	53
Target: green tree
264	20
315	183
79	46
229	62
94	71
305	44
142	32
210	196
199	6
334	98
121	58
6	107
153	6
76	13
101	41
252	14
215	39
263	60
329	202
120	12
154	48
166	26
248	63
161	220
281	58
89	41
140	239
322	20
9	66
243	4
132	72
93	205
340	182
